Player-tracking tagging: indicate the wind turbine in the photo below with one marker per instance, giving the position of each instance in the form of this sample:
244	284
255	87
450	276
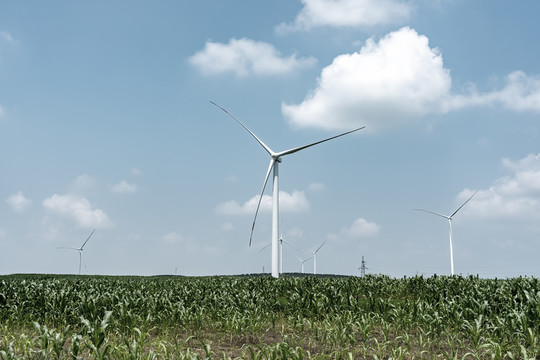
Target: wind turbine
450	229
281	241
302	261
80	250
315	257
275	159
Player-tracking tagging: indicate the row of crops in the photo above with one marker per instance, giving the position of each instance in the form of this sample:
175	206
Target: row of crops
88	317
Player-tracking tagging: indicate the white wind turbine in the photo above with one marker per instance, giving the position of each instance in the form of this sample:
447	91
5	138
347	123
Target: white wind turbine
275	159
315	257
302	262
281	241
80	250
450	229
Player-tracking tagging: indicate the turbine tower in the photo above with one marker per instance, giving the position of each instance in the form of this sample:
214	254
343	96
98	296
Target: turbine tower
281	253
450	229
275	159
315	257
79	249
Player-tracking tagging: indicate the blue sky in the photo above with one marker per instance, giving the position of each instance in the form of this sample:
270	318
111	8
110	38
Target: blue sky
105	123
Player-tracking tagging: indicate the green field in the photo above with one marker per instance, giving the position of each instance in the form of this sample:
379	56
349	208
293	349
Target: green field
376	317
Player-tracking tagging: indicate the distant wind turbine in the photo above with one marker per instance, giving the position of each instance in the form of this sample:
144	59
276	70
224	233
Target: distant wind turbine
450	229
281	241
275	159
80	250
302	262
315	257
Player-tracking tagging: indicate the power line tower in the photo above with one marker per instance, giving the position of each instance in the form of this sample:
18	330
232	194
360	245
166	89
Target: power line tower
363	267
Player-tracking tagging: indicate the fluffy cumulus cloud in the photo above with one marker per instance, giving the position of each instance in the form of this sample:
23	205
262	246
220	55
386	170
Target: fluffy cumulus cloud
516	195
123	187
77	208
395	80
294	202
18	202
244	57
349	13
361	228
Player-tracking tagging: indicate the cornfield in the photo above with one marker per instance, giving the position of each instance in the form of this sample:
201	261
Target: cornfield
375	317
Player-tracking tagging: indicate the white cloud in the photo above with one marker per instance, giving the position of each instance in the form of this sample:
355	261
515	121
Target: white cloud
295	202
18	202
361	228
123	187
387	83
395	81
246	57
513	196
529	162
349	13
521	92
77	208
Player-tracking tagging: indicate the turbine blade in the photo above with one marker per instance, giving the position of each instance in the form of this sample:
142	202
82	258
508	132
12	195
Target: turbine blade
459	208
265	247
268	150
434	213
294	247
272	161
92	233
63	247
293	150
315	252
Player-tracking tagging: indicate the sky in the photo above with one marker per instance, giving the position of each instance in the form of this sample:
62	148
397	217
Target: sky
106	123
